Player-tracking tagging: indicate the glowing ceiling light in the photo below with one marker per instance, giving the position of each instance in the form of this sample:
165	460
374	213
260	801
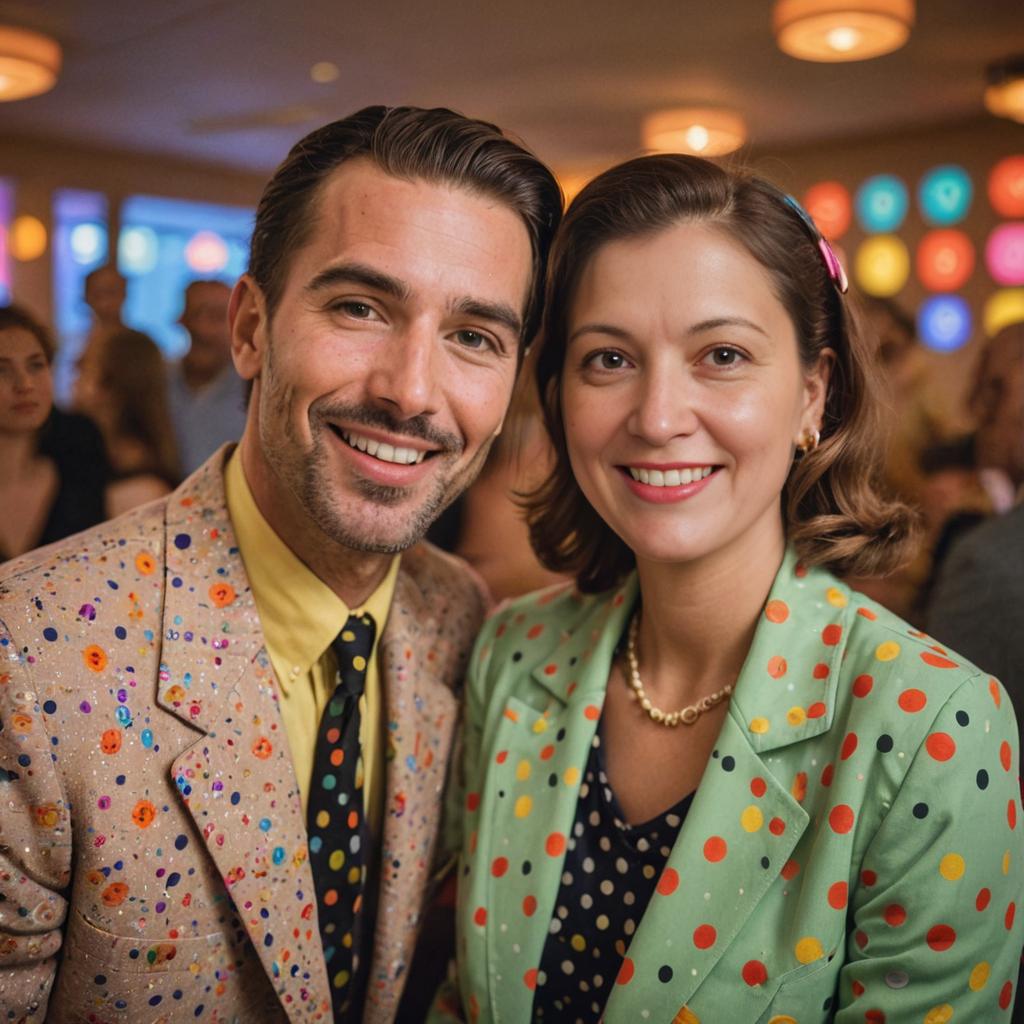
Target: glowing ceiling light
29	63
28	238
702	131
839	30
324	72
1004	94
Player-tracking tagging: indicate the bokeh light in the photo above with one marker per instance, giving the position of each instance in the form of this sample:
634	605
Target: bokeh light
88	243
1004	254
27	238
206	252
882	203
945	194
1006	186
945	260
882	265
138	250
831	208
944	323
1002	309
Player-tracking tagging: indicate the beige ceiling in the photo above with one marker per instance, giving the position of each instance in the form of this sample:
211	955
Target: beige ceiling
206	79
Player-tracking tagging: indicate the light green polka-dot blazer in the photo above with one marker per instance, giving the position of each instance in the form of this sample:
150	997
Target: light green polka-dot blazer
853	851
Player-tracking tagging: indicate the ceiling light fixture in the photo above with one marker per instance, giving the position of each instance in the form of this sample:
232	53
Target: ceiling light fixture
1004	93
700	131
841	30
29	63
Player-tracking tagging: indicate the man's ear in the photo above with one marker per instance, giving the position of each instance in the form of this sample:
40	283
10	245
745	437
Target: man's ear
247	315
816	382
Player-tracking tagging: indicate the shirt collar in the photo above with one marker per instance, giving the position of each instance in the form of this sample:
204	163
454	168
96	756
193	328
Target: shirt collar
299	613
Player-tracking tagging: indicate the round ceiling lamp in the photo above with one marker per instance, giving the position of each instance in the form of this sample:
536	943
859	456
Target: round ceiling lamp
29	63
841	30
1004	92
699	131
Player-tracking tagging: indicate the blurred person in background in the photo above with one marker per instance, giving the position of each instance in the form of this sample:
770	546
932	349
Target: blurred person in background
122	387
105	292
54	468
206	396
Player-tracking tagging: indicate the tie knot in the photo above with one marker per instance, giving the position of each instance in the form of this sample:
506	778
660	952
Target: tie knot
352	647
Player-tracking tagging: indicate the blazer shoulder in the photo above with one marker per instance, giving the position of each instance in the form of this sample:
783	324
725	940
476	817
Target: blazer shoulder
443	578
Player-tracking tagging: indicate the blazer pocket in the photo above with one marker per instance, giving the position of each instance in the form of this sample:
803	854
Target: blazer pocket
804	992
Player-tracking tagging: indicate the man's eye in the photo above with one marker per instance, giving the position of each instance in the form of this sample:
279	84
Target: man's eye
472	339
358	310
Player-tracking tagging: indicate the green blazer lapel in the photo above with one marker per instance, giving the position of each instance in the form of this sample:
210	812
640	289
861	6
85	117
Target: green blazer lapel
537	749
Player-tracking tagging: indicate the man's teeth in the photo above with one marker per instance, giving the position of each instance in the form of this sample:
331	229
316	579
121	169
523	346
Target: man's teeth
384	452
670	477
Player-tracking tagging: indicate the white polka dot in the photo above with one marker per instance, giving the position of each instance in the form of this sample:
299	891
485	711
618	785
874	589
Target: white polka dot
642	845
607	887
586	901
588	865
598	981
629	899
629	927
566	878
605	843
555	927
621	865
594	819
562	912
577	829
568	967
602	922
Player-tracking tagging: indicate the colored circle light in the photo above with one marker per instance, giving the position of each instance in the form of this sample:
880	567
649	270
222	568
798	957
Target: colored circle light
830	207
1004	253
945	260
1002	309
1006	186
882	203
88	243
945	195
206	252
882	265
944	323
137	250
28	238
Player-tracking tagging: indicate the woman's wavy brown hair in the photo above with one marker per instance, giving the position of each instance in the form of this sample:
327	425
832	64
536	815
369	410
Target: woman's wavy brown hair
835	515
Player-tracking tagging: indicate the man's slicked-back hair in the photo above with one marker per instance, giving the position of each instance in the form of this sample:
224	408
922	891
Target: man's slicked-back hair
438	146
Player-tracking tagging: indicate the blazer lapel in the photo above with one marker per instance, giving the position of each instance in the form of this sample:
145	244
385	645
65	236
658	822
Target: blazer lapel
237	780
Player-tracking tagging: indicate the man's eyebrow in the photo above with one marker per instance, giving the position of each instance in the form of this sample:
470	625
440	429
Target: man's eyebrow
496	312
359	273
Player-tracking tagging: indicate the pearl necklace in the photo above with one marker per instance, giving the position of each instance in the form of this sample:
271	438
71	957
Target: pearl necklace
687	715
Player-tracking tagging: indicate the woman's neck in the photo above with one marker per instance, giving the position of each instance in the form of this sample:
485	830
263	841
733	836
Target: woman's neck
698	617
18	455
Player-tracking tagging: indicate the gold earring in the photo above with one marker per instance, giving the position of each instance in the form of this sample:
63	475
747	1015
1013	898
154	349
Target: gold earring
810	440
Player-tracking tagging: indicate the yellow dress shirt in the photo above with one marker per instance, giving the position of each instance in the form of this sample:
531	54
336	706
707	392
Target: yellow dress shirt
300	616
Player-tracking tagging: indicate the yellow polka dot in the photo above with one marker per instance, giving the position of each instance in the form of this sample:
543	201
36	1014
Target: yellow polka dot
353	875
685	1016
951	867
523	770
359	663
782	1018
523	806
571	776
808	949
348	636
887	651
323	819
1006	863
759	725
939	1014
751	819
578	943
540	725
796	716
648	871
835	597
979	976
341	979
346	940
336	860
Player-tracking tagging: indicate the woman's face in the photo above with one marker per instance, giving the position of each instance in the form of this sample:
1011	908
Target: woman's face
26	384
683	395
88	394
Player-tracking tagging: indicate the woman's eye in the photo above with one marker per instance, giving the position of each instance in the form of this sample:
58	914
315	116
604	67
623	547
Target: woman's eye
724	356
608	360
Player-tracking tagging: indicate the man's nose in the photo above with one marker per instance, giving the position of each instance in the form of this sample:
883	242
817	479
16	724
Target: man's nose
406	373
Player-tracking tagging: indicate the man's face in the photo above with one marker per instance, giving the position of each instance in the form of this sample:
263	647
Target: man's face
205	317
105	295
384	373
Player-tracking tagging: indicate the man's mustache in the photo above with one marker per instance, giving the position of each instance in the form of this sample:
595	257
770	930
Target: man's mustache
418	427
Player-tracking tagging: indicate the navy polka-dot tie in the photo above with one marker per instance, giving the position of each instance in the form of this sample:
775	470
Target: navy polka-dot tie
335	819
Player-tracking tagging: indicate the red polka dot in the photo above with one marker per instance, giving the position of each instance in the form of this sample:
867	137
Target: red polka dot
993	688
841	818
799	789
535	631
983	899
912	700
867	613
816	710
1005	755
862	685
704	936
625	972
858	989
861	938
800	570
530	978
529	905
849	745
480	917
790	870
758	786
754	973
1011	913
500	631
874	1017
831	635
669	882
550	670
936	660
826	774
1011	813
895	915
501	757
555	844
777	666
776	611
472	802
1006	996
592	712
499	866
837	895
820	671
546	753
941	937
868	877
776	826
715	849
940	745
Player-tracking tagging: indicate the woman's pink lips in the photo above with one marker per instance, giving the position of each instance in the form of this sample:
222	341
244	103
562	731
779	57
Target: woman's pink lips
664	495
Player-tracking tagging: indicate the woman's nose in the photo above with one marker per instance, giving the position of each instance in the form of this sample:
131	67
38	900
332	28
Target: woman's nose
664	408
